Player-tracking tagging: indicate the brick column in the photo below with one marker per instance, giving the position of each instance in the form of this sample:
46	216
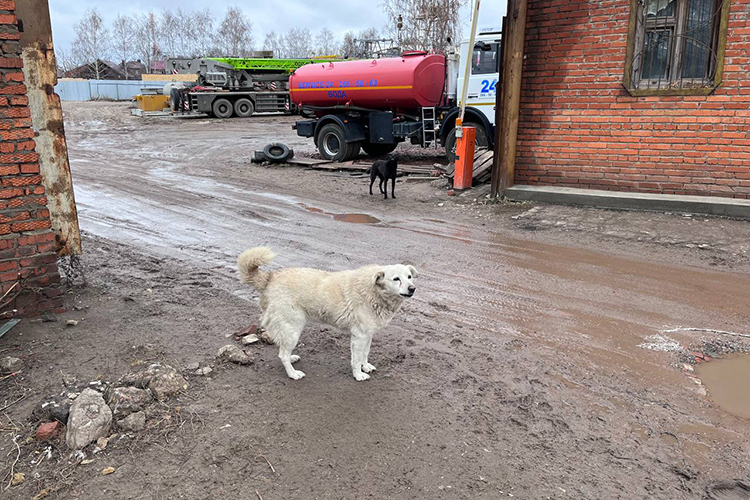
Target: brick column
28	263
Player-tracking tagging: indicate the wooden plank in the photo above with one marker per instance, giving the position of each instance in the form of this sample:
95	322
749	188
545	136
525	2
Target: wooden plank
412	178
307	161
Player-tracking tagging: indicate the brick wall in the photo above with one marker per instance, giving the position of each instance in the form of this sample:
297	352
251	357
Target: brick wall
579	127
28	263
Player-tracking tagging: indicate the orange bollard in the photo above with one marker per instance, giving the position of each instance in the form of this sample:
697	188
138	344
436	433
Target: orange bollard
463	173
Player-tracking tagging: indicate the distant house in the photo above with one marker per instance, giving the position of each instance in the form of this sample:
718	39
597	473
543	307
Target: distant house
135	69
108	70
101	69
158	67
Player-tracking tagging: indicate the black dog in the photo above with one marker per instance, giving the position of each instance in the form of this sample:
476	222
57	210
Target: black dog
384	170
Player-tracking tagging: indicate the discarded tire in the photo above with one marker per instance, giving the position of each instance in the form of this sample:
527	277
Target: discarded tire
278	152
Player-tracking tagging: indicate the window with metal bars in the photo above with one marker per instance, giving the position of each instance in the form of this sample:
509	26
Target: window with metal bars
676	46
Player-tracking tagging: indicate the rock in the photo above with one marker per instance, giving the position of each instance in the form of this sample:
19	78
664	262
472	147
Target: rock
71	322
18	478
440	183
193	366
126	400
108	471
54	408
451	193
234	354
441	204
101	444
249	339
133	422
162	380
48	430
10	364
204	371
89	419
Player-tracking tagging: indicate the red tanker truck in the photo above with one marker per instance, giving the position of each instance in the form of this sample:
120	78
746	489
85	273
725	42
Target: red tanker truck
376	104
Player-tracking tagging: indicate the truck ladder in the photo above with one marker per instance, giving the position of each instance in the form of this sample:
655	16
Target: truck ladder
428	126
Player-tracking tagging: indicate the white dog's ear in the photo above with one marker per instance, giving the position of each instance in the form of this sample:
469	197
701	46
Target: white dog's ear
378	278
413	271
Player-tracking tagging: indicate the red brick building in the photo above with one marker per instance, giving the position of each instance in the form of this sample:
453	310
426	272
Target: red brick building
29	277
637	95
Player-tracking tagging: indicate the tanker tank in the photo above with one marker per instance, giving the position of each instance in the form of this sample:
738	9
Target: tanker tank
406	83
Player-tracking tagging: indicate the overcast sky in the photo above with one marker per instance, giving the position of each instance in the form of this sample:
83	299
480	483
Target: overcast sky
266	15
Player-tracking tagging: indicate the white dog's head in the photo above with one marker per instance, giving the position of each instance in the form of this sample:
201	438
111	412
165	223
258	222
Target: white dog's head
397	280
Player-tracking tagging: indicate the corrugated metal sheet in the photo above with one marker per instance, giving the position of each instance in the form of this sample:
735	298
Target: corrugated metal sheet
116	90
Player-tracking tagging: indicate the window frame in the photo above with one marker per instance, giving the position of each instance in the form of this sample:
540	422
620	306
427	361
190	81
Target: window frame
635	38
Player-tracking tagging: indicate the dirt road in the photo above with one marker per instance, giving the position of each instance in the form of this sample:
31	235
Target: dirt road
515	371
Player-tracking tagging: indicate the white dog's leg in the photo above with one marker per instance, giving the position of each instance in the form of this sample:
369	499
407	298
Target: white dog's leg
367	367
286	334
360	340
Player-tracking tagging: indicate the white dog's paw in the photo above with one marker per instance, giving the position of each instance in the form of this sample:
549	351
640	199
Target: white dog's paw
294	359
361	376
367	368
296	375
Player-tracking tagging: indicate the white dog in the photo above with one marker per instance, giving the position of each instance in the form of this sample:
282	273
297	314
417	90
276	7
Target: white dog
361	301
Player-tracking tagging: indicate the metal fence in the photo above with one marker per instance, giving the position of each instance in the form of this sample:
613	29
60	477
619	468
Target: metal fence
116	90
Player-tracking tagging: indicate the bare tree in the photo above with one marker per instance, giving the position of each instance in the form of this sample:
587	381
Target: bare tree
235	33
203	32
325	43
122	40
65	61
427	24
91	44
298	43
349	46
146	38
169	32
272	42
187	34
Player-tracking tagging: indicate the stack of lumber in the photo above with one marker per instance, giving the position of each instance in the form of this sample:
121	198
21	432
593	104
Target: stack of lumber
362	166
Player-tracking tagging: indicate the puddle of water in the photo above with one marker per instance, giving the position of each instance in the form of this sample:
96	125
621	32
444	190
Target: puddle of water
356	218
727	380
352	218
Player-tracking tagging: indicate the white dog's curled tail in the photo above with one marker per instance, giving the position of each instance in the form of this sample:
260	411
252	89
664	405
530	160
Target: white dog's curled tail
248	263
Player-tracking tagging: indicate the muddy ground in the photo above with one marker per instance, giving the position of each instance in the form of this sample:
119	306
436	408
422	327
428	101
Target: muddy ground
515	371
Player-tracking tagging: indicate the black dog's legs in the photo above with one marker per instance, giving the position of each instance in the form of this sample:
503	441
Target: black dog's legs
384	187
373	174
393	187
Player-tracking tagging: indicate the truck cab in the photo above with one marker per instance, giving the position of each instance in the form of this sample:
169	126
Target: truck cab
484	72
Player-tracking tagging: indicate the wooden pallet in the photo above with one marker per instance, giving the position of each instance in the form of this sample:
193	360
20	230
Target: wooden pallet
365	166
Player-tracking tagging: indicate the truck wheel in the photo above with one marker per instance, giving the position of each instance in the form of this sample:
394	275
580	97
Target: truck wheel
244	108
376	150
352	150
331	143
222	108
450	141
